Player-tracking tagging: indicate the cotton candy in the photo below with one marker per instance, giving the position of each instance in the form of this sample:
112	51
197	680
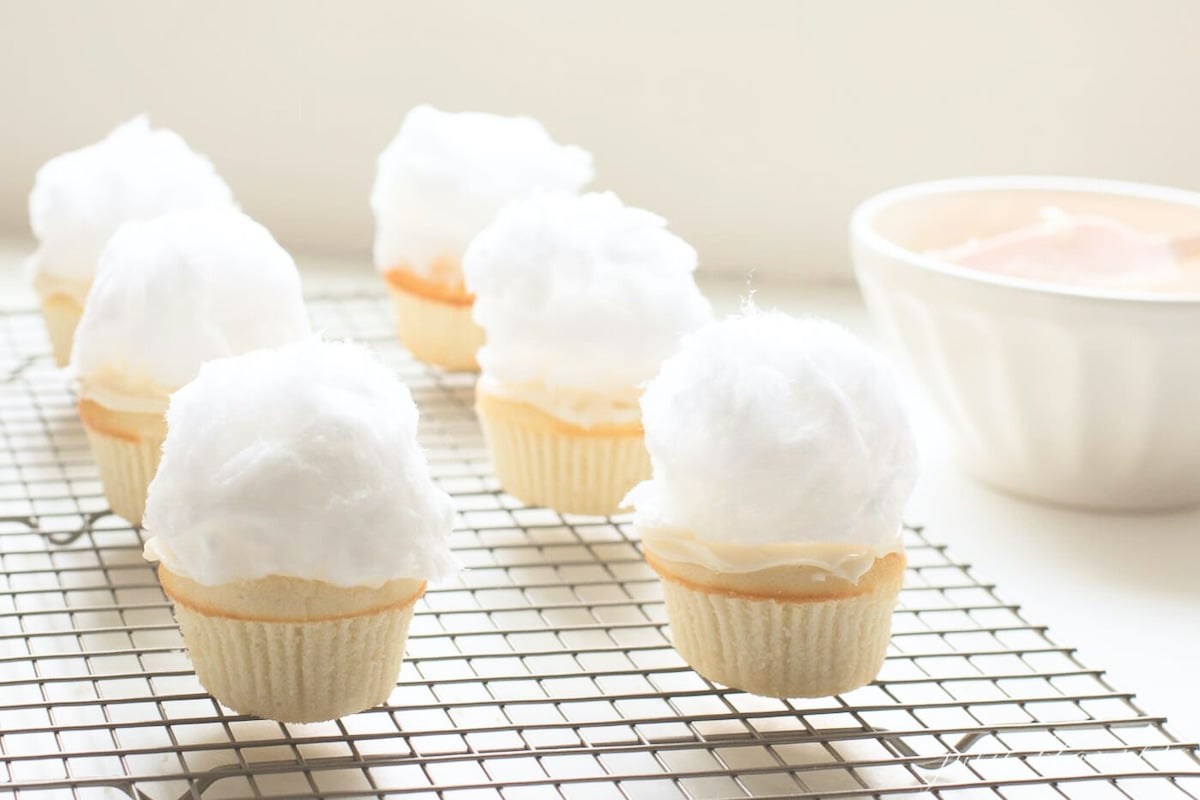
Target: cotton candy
765	429
300	461
80	198
581	293
446	175
181	289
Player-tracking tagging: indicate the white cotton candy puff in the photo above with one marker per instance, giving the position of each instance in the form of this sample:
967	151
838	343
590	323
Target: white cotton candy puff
182	289
445	175
581	293
767	429
80	198
300	461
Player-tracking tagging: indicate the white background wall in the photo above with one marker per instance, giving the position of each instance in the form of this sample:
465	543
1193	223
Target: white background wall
753	126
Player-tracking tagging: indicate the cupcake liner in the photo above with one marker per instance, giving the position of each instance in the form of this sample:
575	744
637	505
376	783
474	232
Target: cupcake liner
575	474
437	332
783	648
62	314
297	671
127	463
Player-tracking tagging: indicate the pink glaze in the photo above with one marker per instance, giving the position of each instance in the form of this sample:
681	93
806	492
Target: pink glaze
1080	250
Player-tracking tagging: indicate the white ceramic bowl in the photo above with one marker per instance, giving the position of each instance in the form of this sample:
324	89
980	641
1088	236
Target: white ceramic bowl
1076	396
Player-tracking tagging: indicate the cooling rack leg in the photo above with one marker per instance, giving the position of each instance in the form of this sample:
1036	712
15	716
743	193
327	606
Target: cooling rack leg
69	537
960	748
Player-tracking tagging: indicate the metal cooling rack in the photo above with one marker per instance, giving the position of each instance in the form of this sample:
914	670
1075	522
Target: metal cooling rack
545	672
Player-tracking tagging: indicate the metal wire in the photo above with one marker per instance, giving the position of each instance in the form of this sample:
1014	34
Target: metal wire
546	671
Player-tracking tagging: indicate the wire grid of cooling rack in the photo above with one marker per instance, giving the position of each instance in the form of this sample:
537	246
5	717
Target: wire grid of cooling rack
546	671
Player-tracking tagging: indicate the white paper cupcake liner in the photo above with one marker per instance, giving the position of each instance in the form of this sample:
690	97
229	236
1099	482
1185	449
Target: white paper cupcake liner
438	333
297	671
62	314
126	466
781	648
572	474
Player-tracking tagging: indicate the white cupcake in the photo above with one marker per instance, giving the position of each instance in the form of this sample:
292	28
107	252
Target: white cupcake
782	463
295	523
170	294
439	182
80	198
581	298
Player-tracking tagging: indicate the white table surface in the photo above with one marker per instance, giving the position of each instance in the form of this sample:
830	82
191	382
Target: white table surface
1122	589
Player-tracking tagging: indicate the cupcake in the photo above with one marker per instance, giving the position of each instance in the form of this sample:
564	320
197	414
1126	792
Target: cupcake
782	464
296	523
170	294
581	298
439	182
80	198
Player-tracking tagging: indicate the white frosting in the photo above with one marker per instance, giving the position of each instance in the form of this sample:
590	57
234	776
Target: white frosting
1075	249
580	293
176	291
774	441
445	175
301	461
844	559
585	409
80	198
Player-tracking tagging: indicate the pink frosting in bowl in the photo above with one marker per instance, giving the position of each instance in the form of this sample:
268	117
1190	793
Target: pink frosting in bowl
1078	250
995	230
1065	369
